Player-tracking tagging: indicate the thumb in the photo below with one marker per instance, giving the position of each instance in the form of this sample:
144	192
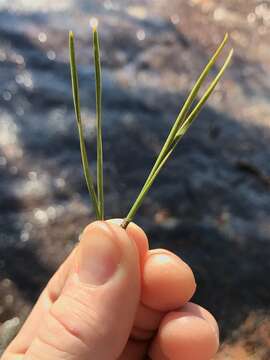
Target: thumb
93	316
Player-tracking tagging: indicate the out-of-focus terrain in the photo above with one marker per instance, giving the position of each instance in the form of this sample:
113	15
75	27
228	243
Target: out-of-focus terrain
211	204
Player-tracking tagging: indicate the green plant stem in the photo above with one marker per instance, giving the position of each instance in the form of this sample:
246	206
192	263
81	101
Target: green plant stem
171	146
76	100
100	191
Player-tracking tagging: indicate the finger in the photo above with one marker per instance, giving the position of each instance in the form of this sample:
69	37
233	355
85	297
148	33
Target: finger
134	350
56	284
189	334
99	299
138	236
147	319
7	356
168	282
48	296
199	311
139	341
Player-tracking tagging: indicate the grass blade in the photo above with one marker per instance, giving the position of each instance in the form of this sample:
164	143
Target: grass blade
167	151
76	100
100	191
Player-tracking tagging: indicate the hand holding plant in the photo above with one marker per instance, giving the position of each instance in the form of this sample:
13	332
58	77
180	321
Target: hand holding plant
113	298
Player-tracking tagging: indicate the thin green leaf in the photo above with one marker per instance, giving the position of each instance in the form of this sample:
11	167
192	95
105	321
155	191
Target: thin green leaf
76	100
167	151
100	191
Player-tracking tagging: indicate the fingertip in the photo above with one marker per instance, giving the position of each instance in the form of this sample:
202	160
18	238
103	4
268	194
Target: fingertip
140	238
137	235
109	228
168	282
95	225
112	243
183	335
202	312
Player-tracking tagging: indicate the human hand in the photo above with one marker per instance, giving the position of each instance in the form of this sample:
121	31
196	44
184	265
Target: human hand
113	298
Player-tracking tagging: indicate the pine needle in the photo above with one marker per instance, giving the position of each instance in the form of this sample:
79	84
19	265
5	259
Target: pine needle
178	131
96	55
76	100
188	103
179	128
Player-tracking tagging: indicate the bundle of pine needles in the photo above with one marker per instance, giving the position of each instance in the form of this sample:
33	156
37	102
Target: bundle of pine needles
182	123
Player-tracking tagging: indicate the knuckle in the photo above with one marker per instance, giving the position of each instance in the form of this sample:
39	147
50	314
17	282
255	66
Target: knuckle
78	319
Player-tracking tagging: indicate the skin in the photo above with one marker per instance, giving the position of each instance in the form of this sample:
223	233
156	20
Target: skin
113	298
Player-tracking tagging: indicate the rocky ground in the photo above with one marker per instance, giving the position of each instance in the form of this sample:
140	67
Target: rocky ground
211	204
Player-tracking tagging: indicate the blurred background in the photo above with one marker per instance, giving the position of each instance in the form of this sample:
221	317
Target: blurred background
211	204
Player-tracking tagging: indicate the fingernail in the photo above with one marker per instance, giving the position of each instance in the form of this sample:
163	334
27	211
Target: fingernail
99	256
115	221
